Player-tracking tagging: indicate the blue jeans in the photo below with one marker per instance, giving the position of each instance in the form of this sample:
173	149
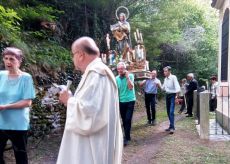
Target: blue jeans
170	105
126	111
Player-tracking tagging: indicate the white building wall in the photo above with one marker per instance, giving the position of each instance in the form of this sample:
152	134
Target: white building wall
221	16
223	107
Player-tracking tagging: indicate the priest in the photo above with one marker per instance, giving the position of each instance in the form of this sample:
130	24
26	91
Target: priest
92	132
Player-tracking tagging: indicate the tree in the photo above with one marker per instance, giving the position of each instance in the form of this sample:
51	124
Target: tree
180	33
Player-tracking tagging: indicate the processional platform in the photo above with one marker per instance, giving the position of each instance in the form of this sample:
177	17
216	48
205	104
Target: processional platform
134	58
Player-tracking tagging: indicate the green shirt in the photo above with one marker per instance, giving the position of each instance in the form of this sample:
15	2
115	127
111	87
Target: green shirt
125	94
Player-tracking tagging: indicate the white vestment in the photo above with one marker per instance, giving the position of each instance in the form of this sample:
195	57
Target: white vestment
93	132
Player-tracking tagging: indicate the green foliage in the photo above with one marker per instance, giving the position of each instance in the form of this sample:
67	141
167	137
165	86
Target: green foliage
176	32
9	25
49	53
40	45
39	12
187	27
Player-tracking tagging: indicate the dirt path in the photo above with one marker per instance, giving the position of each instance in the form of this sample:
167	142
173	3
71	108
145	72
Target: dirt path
143	148
145	144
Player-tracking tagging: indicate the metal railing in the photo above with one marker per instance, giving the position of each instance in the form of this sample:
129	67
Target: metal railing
222	113
215	122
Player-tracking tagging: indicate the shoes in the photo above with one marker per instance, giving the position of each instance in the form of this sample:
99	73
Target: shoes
126	142
190	115
171	131
179	112
148	123
153	123
186	113
167	130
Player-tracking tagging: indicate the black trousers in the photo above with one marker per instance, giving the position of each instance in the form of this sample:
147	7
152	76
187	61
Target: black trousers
213	104
126	111
190	104
150	104
182	104
19	143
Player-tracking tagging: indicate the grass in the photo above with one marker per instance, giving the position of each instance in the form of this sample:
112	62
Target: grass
185	147
139	128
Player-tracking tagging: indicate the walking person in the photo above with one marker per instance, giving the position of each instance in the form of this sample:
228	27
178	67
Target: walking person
127	98
16	94
151	86
172	89
192	86
92	132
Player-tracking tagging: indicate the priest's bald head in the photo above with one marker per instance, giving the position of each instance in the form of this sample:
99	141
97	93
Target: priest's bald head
84	51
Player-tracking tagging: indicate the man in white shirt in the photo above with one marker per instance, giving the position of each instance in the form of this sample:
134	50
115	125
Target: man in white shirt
92	132
172	88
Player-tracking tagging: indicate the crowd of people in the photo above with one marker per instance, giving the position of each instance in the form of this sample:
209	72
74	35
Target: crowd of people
93	129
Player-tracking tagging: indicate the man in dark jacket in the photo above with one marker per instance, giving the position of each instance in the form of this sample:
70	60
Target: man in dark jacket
190	88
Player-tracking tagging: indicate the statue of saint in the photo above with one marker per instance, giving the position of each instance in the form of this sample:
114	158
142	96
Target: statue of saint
121	32
112	57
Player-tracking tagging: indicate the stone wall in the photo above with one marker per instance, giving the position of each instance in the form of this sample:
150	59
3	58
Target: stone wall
44	119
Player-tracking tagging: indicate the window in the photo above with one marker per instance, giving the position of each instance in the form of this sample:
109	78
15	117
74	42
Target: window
224	46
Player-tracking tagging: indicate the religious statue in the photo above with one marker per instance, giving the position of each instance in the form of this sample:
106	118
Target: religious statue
112	57
134	58
108	41
140	53
121	30
127	55
104	58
